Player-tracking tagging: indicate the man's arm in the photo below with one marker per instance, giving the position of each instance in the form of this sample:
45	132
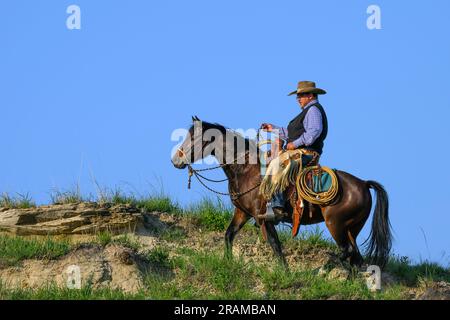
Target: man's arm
282	132
313	126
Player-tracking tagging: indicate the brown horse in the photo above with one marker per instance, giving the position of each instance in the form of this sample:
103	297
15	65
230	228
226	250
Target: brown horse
344	218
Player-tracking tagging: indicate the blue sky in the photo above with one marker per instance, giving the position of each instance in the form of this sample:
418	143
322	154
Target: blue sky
102	102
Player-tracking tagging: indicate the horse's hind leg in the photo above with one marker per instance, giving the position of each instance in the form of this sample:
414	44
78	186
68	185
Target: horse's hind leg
272	237
339	234
356	258
238	221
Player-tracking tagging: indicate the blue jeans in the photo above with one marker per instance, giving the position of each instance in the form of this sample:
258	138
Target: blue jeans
278	199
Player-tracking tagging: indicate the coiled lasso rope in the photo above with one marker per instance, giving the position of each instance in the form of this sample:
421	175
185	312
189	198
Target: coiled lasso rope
321	198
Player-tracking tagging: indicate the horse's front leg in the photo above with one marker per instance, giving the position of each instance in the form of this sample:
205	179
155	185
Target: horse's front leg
272	238
238	221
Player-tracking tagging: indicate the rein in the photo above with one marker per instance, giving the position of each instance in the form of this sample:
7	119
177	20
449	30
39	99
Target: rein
195	172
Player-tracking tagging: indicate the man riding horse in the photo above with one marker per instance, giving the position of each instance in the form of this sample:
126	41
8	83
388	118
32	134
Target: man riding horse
344	216
307	131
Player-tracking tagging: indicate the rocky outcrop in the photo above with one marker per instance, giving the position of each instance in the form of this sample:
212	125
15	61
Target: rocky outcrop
98	267
77	218
435	291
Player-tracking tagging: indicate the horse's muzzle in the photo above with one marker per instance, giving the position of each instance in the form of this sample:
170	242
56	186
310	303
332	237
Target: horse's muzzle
179	164
182	166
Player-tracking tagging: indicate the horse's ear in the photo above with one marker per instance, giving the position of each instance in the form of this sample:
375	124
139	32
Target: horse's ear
196	118
193	119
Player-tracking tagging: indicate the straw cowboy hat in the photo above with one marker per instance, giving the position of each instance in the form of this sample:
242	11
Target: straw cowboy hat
307	87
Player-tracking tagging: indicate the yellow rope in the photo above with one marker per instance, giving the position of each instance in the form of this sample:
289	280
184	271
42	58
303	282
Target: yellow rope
321	198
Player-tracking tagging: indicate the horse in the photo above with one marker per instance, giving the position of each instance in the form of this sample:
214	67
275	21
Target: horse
344	217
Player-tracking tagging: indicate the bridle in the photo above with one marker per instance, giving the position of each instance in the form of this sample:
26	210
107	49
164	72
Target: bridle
195	172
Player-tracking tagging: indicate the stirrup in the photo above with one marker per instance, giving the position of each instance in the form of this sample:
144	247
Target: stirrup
271	216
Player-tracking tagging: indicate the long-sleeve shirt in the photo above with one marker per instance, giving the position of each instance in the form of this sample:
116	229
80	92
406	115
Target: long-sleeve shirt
313	127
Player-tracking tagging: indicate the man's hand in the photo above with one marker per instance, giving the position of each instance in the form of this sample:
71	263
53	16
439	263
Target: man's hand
290	146
267	127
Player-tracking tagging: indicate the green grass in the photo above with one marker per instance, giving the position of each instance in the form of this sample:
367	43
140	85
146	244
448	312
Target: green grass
114	196
104	238
159	256
207	275
153	202
20	201
68	196
308	237
173	234
52	292
210	276
158	203
210	215
412	274
202	275
126	241
226	276
149	203
307	285
14	249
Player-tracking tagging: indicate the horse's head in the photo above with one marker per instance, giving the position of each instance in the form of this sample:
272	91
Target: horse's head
196	145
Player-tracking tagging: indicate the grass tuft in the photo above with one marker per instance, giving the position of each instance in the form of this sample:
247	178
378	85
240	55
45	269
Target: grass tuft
127	241
14	249
52	292
211	215
104	238
412	274
159	256
68	196
307	238
20	201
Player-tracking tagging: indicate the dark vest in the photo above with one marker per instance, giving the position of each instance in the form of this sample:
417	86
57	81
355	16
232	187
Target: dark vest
296	128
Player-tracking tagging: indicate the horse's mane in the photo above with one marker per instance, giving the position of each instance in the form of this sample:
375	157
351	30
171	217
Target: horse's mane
224	130
250	145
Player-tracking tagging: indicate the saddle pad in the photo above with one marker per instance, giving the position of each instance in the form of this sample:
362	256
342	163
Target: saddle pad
322	185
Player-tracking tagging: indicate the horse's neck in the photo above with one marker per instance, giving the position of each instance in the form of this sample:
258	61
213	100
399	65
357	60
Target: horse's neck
242	167
237	173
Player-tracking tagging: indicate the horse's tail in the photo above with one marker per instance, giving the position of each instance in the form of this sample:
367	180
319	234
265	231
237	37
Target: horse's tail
380	238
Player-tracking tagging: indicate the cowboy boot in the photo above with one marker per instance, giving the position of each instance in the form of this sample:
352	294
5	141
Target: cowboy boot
279	213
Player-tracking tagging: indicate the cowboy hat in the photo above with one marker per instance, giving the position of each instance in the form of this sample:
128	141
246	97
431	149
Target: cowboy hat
307	87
